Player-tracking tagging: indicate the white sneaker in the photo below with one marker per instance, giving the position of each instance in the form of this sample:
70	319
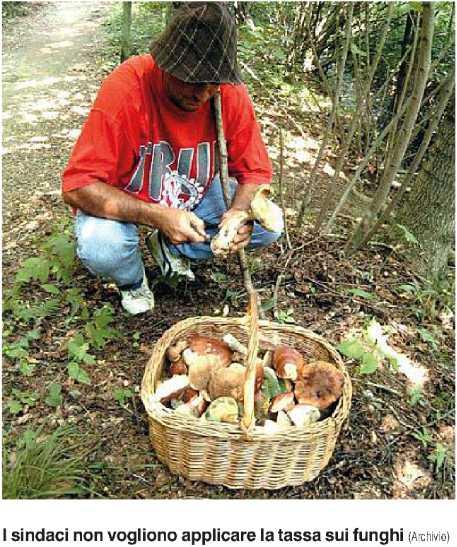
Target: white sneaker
139	300
169	264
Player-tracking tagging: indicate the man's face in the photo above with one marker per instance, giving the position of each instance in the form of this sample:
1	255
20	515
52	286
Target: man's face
188	97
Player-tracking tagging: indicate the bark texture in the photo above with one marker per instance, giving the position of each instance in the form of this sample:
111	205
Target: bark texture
429	210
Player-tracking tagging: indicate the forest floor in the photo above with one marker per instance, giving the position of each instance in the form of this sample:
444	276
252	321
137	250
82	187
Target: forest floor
398	442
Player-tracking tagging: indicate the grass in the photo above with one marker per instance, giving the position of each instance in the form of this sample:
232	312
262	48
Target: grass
42	467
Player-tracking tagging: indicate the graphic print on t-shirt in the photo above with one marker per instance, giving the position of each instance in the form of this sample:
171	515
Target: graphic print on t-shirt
167	186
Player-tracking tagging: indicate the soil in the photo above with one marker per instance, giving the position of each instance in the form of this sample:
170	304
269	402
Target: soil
52	70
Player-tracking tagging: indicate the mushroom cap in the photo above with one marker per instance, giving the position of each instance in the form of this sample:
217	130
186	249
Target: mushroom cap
287	362
171	388
265	211
227	382
174	351
259	374
178	367
205	345
189	394
320	385
204	355
282	401
223	409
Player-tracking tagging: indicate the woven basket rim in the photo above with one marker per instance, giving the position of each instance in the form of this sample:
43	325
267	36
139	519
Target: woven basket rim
158	412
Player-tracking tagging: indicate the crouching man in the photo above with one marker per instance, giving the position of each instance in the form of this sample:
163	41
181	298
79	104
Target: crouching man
147	154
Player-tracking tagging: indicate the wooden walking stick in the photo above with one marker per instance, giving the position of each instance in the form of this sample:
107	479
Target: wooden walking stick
223	166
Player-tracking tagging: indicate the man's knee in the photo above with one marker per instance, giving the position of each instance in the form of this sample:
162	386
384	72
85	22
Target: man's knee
262	238
104	244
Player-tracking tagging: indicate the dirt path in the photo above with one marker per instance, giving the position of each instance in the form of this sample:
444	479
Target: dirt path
49	81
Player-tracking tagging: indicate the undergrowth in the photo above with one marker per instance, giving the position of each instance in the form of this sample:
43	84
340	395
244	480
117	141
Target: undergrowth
43	466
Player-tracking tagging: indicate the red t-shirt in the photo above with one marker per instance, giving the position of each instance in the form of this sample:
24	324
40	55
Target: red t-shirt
137	139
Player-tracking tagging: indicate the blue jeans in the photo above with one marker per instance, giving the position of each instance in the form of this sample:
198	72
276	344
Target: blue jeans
110	248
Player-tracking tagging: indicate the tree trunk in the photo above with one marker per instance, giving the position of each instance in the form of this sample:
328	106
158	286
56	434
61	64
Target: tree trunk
126	25
403	135
429	211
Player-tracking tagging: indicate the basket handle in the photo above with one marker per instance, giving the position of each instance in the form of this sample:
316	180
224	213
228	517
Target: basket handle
252	319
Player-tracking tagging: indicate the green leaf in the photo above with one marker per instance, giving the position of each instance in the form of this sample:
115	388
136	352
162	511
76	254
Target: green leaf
351	348
26	368
27	438
121	394
74	298
407	235
218	277
54	397
415	395
368	364
270	385
63	247
439	455
103	317
268	304
416	6
77	349
408	287
357	51
52	289
428	337
15	352
286	316
33	268
362	294
14	407
423	436
33	335
78	374
25	397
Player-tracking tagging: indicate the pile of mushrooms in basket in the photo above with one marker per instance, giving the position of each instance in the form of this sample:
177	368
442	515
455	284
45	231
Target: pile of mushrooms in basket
205	376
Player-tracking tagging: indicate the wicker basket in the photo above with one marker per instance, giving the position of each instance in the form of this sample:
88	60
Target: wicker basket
243	456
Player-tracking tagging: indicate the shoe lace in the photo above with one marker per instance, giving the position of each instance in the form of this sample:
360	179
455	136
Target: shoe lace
140	292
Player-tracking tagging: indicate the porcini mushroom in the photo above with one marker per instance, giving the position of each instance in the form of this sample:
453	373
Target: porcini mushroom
171	388
304	415
264	211
287	362
227	382
282	401
203	355
223	409
320	385
188	394
283	419
234	344
174	352
195	407
178	367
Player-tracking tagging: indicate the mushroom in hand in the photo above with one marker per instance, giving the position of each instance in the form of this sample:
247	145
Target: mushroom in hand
264	211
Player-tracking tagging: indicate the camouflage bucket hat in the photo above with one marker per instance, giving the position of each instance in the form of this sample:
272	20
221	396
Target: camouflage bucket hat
199	45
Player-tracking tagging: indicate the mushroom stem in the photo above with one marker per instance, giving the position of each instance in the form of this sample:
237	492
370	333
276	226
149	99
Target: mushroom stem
234	344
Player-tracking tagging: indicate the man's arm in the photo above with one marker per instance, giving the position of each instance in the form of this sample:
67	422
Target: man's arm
105	201
243	196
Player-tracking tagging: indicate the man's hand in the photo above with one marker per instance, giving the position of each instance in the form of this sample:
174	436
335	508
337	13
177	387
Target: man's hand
105	201
243	236
182	226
